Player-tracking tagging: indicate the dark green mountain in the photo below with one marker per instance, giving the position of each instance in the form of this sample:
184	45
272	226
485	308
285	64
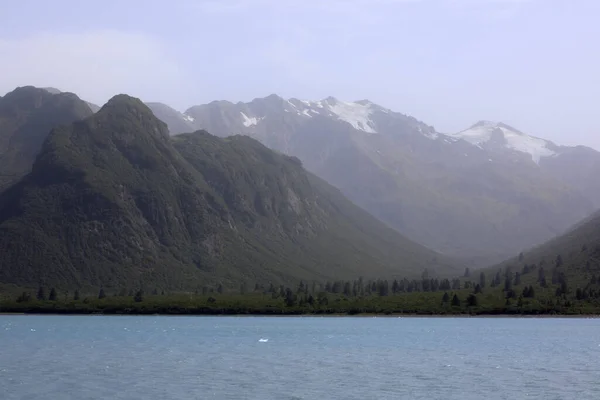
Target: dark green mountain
113	201
27	115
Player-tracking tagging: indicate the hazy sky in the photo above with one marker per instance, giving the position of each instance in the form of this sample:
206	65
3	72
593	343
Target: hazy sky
534	64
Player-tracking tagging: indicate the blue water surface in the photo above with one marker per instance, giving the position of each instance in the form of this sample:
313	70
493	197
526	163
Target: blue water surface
159	357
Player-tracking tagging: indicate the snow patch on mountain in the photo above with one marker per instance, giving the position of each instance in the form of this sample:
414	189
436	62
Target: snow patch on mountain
431	134
188	118
249	121
484	131
357	115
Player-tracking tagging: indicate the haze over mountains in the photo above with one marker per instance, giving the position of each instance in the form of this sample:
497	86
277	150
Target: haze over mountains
112	200
117	197
485	193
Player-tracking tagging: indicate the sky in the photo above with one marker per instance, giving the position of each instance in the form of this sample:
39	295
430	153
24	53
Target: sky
533	64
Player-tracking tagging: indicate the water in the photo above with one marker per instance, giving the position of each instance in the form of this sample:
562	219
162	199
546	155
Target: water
94	357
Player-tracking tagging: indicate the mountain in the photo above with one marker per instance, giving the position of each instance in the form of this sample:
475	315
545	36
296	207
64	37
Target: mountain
485	193
176	122
114	201
27	115
573	257
53	90
498	138
95	108
576	166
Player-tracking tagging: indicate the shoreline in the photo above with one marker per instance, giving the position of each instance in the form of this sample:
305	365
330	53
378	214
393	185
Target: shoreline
307	315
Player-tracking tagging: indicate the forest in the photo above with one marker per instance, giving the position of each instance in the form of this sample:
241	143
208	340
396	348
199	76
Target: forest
528	291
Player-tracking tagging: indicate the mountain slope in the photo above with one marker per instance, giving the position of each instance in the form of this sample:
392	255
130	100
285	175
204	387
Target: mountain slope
261	187
27	115
578	166
92	106
484	193
176	121
114	201
575	166
499	137
573	257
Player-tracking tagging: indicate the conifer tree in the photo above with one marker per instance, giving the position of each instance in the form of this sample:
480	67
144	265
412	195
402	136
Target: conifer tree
517	278
23	297
455	301
507	284
445	298
472	300
347	289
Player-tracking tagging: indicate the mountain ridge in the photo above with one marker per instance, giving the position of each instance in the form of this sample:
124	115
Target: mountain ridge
491	181
27	114
367	104
112	200
486	200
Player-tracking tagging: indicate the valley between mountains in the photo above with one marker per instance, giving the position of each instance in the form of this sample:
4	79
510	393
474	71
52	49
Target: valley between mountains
482	194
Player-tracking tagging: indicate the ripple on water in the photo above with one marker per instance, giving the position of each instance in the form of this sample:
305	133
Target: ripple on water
303	358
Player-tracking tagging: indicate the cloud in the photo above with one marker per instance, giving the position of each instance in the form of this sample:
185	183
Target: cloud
95	65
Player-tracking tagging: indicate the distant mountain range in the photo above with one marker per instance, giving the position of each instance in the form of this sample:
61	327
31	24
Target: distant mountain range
110	199
485	193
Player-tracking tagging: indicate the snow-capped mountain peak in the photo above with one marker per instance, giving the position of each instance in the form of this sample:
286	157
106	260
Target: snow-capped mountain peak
357	114
487	133
258	117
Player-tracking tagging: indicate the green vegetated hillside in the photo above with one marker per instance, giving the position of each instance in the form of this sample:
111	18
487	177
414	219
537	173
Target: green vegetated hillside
575	254
559	276
113	201
27	115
